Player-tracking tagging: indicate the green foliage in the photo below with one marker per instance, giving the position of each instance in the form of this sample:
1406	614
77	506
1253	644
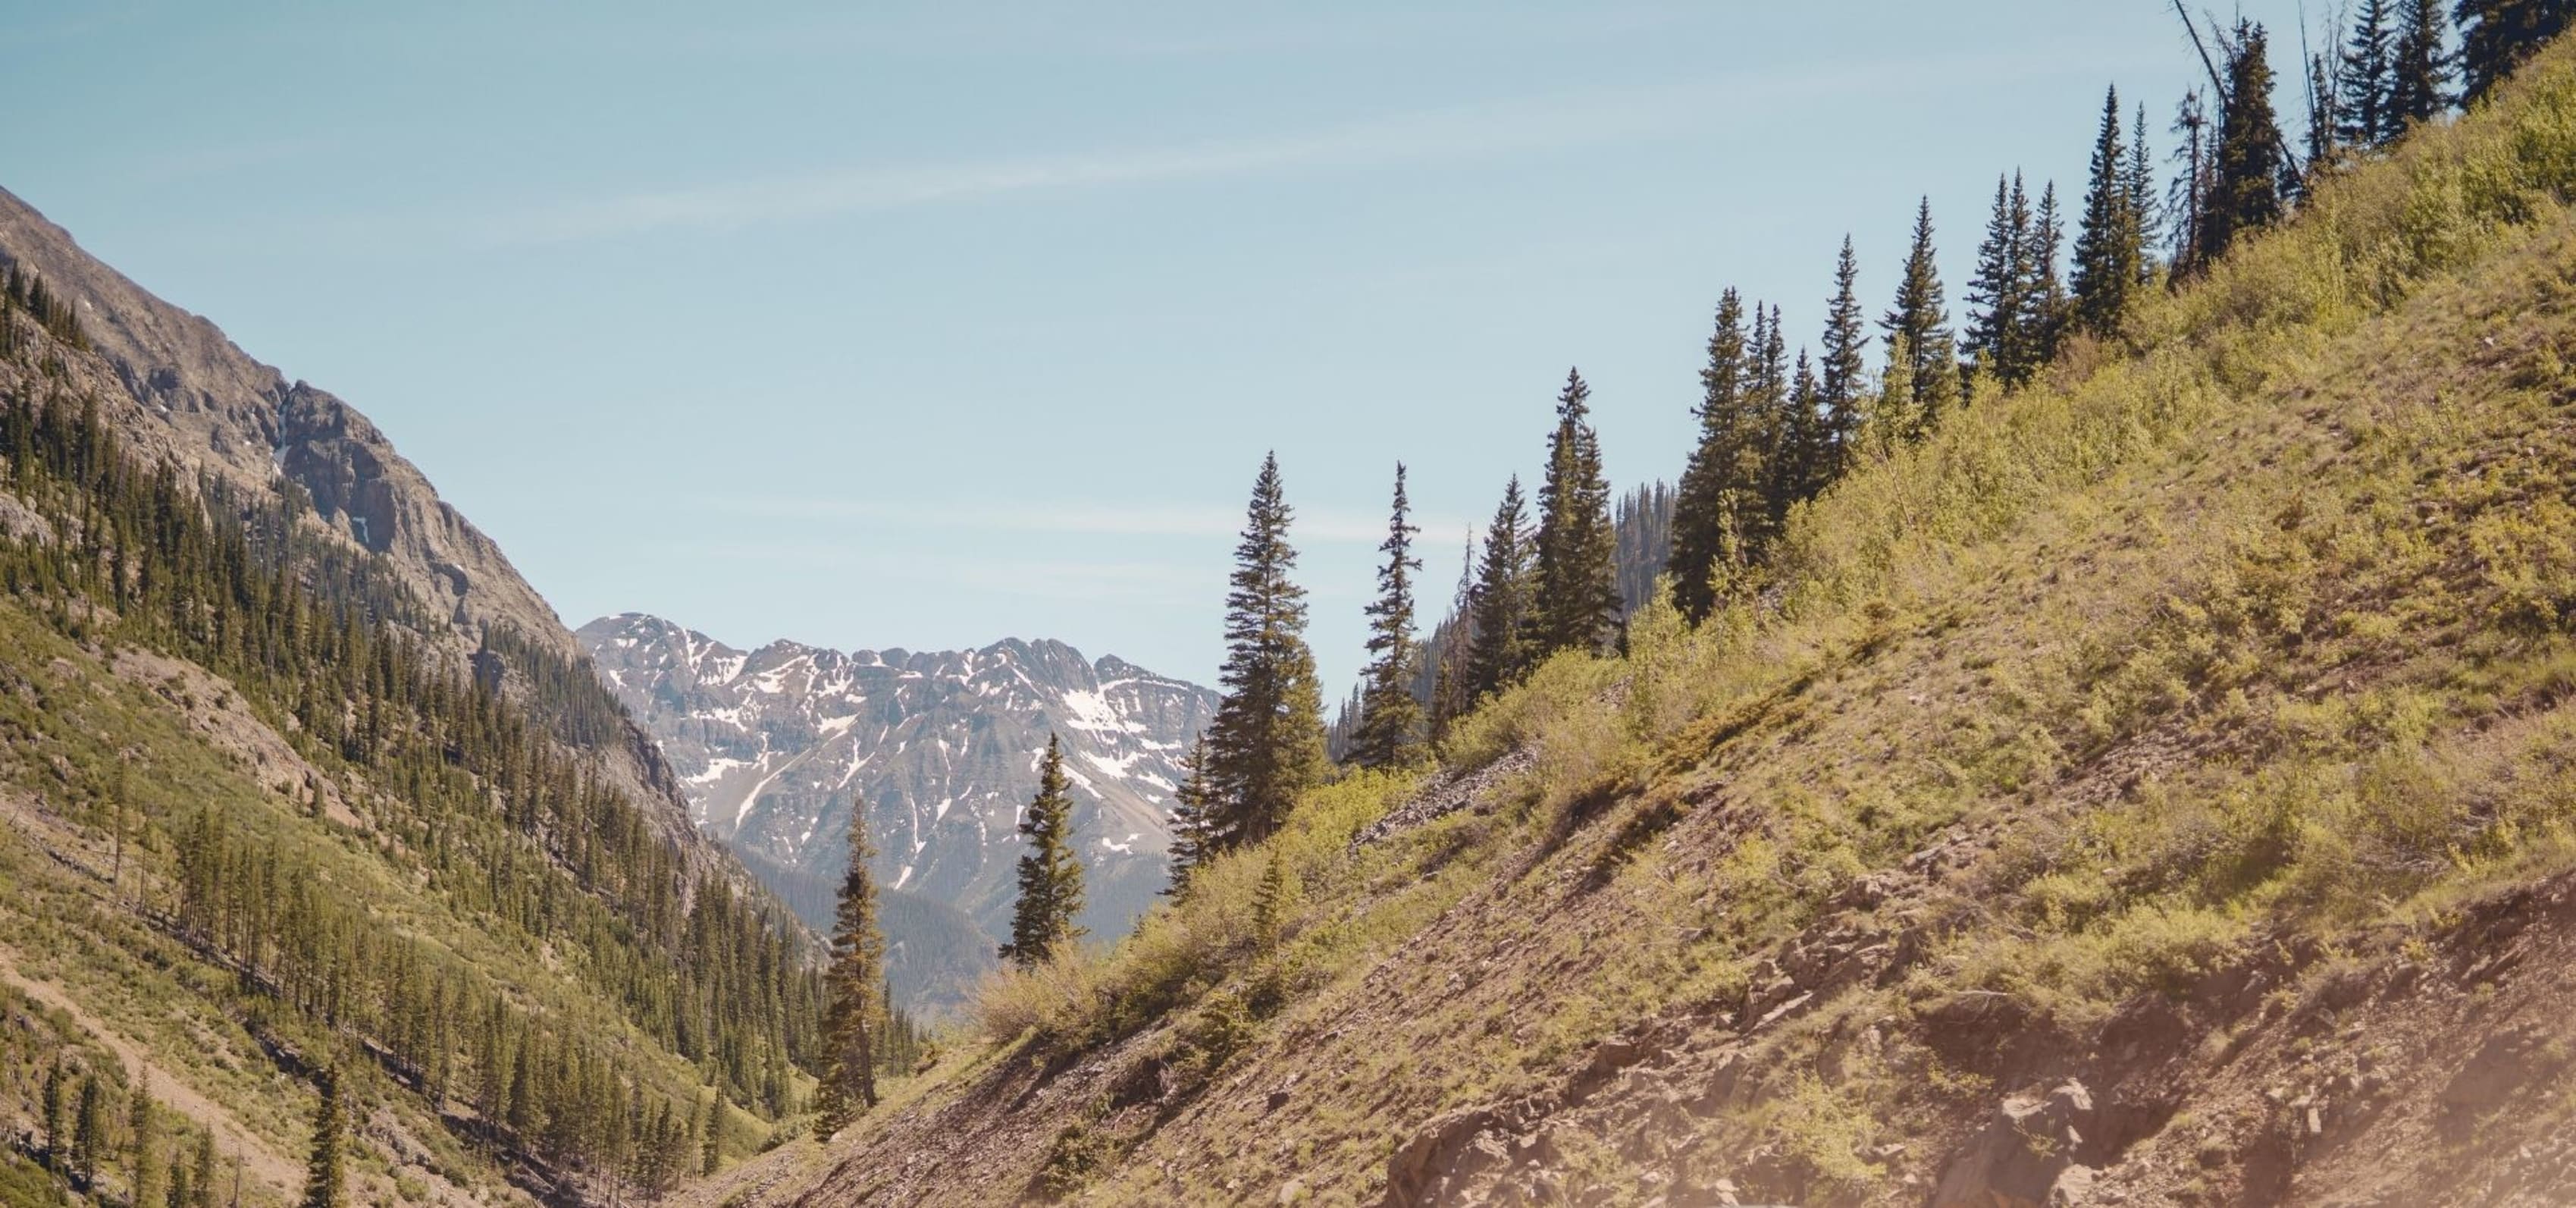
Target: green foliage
1390	719
1266	743
1050	872
854	1025
1574	584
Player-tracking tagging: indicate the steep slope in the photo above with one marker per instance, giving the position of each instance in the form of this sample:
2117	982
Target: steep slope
172	386
2151	789
296	775
774	745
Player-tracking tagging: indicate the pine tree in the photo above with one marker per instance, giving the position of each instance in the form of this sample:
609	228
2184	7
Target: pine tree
2049	303
57	1109
1844	374
1780	430
1893	418
849	1081
1999	295
1193	813
1390	728
1266	742
202	1183
1704	508
1575	581
323	1176
1451	646
2189	201
2245	192
2139	183
2361	103
1273	899
2107	239
1498	652
2419	70
1050	871
89	1134
1921	318
139	1164
711	1139
1800	441
2497	35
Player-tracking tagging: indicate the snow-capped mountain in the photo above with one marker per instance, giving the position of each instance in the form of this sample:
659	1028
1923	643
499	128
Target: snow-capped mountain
773	745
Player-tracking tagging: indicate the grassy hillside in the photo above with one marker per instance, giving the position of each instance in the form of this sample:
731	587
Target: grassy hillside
2152	788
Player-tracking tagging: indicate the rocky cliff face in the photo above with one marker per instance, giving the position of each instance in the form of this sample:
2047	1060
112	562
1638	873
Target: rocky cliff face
773	747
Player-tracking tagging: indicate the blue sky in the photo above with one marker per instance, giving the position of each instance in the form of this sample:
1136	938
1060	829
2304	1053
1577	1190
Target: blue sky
924	325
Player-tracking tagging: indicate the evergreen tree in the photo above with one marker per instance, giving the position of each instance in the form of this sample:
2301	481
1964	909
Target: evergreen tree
2419	79
2245	191
1576	585
139	1141
2140	185
2189	201
201	1184
1844	374
1273	899
1781	432
2362	117
89	1134
1704	508
57	1113
1193	814
2049	303
2497	35
1893	418
324	1180
1799	446
849	1081
1499	646
2108	242
1266	742
1050	871
1921	319
1452	645
1390	727
1999	305
711	1140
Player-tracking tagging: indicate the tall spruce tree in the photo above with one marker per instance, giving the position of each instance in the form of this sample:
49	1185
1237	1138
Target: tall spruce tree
1266	742
2049	303
325	1178
2362	117
1574	573
1390	729
2108	242
142	1170
849	1080
89	1134
201	1181
1705	527
1797	453
2140	184
1999	295
1451	647
2245	190
1050	871
1193	813
1842	375
56	1109
1499	641
1921	319
2497	35
2189	200
2419	69
1779	431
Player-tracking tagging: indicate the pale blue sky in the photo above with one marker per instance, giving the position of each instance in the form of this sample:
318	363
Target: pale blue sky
930	324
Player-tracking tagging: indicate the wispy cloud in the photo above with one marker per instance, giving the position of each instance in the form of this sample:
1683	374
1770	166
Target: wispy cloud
1426	136
1075	518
